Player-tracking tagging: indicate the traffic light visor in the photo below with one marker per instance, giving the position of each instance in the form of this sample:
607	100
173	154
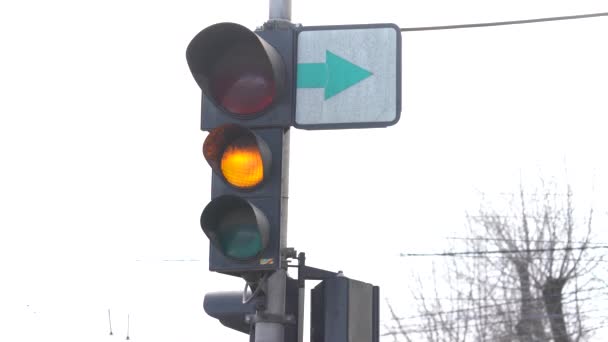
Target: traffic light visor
237	155
235	68
236	227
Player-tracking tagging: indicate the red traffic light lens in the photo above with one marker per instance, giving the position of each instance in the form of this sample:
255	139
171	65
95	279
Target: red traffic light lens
236	69
242	83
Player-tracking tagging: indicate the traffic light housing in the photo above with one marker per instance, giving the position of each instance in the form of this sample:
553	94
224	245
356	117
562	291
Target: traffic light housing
247	83
244	75
344	310
235	313
246	218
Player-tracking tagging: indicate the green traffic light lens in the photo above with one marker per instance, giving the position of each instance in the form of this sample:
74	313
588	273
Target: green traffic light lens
242	242
236	227
238	234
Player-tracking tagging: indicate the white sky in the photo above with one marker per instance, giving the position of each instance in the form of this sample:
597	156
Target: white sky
101	163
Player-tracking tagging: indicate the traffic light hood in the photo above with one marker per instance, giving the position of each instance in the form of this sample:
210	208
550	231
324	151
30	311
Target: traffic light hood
236	69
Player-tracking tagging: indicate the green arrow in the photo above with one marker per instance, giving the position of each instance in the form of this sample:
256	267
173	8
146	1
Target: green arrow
335	75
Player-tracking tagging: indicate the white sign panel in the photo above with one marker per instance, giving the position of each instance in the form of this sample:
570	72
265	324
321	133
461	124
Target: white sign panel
348	76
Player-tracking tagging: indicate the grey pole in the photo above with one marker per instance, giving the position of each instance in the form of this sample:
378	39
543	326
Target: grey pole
280	10
301	294
110	320
275	306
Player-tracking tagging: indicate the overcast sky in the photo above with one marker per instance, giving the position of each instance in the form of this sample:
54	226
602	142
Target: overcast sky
102	176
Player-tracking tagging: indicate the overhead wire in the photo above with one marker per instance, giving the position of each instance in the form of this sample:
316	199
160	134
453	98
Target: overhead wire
491	319
452	326
503	23
478	238
474	308
473	319
598	259
482	312
518	300
503	251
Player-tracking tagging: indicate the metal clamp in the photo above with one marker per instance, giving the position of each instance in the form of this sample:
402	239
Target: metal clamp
270	318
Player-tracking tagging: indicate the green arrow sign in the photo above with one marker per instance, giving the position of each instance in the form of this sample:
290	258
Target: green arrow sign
335	75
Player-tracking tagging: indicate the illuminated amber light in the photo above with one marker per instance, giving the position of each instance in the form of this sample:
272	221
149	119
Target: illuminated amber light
242	166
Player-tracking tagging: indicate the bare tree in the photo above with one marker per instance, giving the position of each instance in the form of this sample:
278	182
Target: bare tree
465	303
521	279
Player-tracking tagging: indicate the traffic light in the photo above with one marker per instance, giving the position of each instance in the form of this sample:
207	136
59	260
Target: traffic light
235	313
246	77
247	87
344	310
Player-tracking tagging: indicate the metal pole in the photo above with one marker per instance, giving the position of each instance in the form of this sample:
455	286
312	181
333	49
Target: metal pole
128	324
280	10
276	291
275	306
301	295
110	320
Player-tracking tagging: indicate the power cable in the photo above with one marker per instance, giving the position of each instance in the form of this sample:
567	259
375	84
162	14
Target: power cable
476	307
531	240
454	325
503	23
503	302
503	251
540	258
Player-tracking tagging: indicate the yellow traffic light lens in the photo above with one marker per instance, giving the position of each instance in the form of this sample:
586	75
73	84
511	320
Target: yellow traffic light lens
238	156
242	166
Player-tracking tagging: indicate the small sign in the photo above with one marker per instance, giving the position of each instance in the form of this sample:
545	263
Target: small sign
348	76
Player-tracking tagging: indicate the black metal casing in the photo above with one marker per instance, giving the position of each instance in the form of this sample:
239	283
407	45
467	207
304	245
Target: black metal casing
271	48
229	309
344	310
270	197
